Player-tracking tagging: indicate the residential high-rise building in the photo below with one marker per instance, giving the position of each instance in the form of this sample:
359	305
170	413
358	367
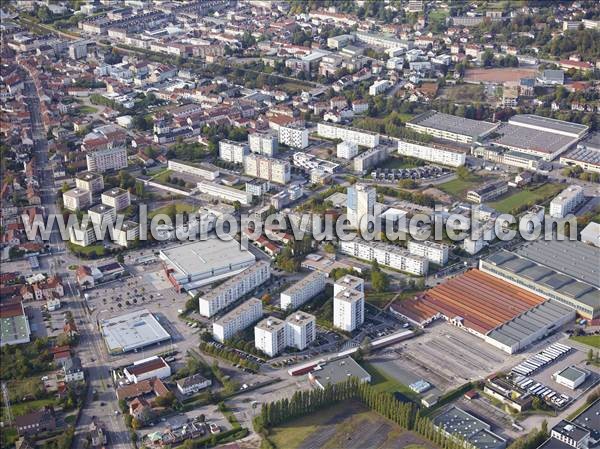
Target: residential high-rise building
347	150
303	290
117	198
301	328
361	202
237	320
94	182
232	151
293	136
348	303
271	169
234	288
105	159
359	136
77	199
269	336
272	335
263	143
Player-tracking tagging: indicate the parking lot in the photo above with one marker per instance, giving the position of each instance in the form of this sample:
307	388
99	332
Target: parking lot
574	358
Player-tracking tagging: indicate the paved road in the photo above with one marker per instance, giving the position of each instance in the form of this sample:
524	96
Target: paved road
89	349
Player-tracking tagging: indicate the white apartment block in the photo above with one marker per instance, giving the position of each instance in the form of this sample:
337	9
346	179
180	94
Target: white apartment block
94	182
348	303
237	320
81	237
272	335
360	203
387	255
76	199
301	330
106	159
206	171
432	251
261	143
566	201
234	288
358	136
303	290
228	194
263	167
293	136
269	336
379	87
433	153
117	198
101	213
232	151
347	150
126	234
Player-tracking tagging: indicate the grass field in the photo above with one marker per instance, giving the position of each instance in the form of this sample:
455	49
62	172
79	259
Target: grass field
294	88
344	426
179	208
85	109
381	381
459	187
379	299
534	195
590	340
394	162
463	93
21	408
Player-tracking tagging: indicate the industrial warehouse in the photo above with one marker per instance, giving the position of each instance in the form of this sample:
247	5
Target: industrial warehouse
132	331
564	271
504	315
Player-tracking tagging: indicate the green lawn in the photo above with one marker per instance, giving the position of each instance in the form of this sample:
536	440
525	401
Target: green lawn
382	381
179	208
590	340
290	435
21	408
379	299
85	109
463	93
534	195
459	187
87	251
394	162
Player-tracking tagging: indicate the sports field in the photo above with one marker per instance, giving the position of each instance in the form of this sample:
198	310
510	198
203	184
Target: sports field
498	75
530	196
345	426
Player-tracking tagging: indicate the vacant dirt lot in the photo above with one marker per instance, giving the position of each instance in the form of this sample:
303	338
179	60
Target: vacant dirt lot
499	75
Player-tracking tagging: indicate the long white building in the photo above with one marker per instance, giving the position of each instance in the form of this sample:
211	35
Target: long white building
271	169
566	201
348	303
386	255
234	288
206	171
359	136
106	159
225	193
293	136
237	320
432	153
303	290
432	251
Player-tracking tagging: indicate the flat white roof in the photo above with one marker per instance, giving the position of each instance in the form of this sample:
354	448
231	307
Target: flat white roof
132	331
205	255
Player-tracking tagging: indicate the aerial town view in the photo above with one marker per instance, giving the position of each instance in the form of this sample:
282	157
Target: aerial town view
300	224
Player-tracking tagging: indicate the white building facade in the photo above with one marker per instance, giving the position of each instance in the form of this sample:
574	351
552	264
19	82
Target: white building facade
303	290
237	320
